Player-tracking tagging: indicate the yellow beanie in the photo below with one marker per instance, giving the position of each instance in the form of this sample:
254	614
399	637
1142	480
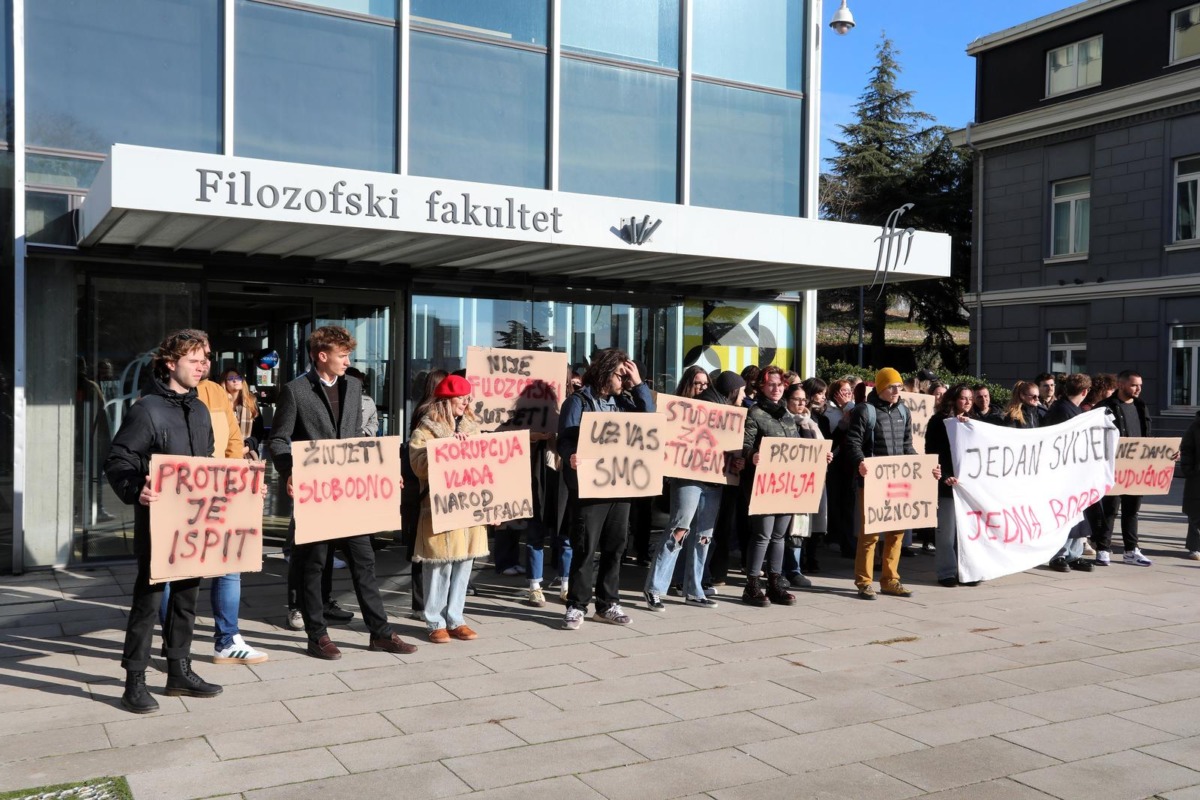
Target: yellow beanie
886	377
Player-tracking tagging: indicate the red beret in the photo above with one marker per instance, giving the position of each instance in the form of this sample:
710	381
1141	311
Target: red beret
452	386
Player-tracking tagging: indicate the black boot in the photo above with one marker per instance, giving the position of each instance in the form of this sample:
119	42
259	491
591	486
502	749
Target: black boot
137	697
776	591
182	682
809	554
753	594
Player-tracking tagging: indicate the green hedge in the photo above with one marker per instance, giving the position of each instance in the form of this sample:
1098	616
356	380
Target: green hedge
829	372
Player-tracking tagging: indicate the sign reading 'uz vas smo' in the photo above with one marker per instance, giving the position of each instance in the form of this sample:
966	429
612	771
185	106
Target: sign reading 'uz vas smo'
620	454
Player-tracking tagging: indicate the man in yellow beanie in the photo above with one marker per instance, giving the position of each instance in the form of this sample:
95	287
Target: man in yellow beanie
881	426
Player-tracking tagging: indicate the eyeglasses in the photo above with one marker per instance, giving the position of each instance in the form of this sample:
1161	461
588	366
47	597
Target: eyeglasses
700	384
234	379
802	401
1033	397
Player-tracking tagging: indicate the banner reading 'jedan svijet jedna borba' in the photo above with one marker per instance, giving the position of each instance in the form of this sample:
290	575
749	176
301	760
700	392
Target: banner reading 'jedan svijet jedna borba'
1019	491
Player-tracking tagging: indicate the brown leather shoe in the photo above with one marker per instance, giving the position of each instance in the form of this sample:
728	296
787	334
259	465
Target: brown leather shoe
463	633
393	644
324	648
439	636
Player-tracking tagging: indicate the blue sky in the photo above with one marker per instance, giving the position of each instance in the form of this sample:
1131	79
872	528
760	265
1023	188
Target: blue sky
931	37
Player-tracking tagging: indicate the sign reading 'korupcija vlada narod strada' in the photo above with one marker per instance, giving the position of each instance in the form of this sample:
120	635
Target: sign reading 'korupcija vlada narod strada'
240	188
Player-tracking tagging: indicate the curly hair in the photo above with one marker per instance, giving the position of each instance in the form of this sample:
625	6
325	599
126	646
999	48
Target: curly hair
177	345
440	411
604	364
329	337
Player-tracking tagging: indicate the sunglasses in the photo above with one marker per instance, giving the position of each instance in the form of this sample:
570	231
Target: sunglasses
234	379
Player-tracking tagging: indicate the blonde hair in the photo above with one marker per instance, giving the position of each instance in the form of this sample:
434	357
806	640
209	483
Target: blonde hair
439	411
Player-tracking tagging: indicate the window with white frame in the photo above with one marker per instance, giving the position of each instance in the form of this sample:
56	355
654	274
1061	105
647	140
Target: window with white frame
1185	33
1070	216
1074	66
1184	388
1068	351
1187	181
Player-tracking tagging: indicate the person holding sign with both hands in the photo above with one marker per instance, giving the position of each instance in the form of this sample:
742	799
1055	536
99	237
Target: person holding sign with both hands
446	558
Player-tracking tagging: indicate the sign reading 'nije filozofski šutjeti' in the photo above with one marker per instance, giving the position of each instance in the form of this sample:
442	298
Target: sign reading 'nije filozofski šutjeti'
240	189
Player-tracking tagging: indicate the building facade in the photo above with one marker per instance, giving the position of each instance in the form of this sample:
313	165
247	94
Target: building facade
1087	251
432	174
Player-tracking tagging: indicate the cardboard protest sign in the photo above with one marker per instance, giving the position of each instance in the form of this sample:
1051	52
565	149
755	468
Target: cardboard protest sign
481	480
207	520
1021	491
701	439
517	388
899	492
790	475
920	410
620	455
1145	465
345	487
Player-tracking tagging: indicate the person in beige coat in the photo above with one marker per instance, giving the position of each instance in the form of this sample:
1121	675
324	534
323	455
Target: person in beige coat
446	557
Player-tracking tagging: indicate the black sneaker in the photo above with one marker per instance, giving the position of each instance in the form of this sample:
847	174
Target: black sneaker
949	583
1059	564
335	613
653	602
1081	565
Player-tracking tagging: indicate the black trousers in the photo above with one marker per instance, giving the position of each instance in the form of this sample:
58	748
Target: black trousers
1131	504
360	557
597	526
296	574
143	613
724	534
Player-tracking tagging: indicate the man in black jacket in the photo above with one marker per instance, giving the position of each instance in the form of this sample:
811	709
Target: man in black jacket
1129	414
168	419
982	408
324	404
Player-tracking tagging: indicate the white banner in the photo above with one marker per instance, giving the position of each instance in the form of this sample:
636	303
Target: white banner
1020	491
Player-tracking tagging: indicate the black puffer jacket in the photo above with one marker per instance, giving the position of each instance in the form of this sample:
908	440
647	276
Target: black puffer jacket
892	435
1189	464
162	421
764	419
1113	404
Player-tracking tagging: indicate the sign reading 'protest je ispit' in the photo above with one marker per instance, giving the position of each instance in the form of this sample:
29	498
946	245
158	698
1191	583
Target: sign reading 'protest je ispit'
513	389
207	520
790	475
345	487
620	455
481	480
701	439
1145	465
899	492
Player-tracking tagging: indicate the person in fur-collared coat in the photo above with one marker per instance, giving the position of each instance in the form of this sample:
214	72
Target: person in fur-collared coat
447	557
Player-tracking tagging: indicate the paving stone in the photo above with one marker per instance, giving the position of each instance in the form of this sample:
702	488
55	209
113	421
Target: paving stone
807	752
731	673
933	695
699	735
1000	789
1165	686
548	726
603	692
405	674
424	781
739	632
567	787
217	717
546	656
1083	738
1141	639
300	735
850	658
824	684
1032	655
1148	662
125	761
684	775
948	766
521	680
624	667
958	724
367	701
537	761
955	666
1181	718
1184	752
256	691
1128	775
855	637
1048	677
687	640
50	718
20	746
1191	793
460	713
398	750
697	703
1074	702
836	783
834	711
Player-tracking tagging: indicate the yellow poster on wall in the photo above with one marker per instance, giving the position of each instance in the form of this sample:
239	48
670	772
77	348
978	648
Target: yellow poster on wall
733	336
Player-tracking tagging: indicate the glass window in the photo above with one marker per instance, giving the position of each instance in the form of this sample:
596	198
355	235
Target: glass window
1074	66
68	173
618	132
751	41
1187	177
478	112
7	383
646	31
48	218
142	72
6	84
1185	33
315	88
374	8
746	150
514	20
1072	207
1185	366
1068	351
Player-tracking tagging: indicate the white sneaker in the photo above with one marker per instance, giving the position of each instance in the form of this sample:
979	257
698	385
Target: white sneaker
573	619
238	652
613	615
295	620
338	563
1103	558
535	597
1194	555
1088	550
1136	558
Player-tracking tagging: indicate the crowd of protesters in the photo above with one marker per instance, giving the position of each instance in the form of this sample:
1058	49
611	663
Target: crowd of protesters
706	523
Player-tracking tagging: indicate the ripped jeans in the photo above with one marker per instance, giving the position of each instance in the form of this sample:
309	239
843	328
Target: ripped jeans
694	508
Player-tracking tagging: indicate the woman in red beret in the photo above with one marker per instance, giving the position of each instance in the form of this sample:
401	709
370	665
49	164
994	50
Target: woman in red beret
446	557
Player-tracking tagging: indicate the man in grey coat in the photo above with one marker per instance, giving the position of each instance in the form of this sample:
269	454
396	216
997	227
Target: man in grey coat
324	404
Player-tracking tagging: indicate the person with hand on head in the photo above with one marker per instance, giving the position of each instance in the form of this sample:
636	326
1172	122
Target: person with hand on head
446	557
168	419
880	426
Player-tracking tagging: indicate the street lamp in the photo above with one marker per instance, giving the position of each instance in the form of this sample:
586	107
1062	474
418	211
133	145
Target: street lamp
842	20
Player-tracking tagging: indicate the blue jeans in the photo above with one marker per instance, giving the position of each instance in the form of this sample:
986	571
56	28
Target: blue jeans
535	545
226	596
445	592
694	508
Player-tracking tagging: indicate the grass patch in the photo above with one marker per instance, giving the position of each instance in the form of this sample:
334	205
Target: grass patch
95	789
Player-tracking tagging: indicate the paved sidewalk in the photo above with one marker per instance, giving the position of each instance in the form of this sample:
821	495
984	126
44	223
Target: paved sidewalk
1037	685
